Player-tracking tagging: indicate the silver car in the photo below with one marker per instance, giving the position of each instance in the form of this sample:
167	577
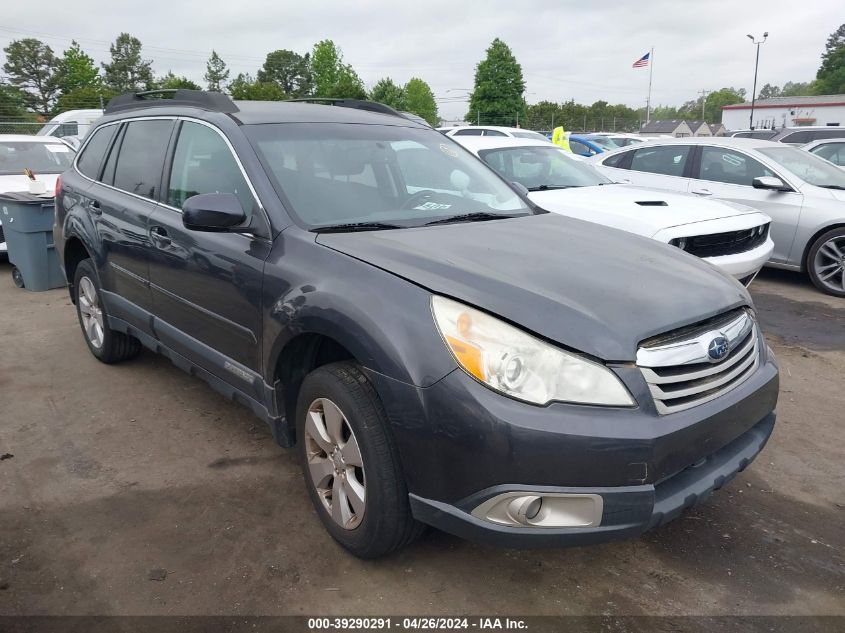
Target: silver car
802	193
831	149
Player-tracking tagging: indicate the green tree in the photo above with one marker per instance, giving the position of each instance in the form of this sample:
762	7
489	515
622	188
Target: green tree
768	91
717	99
830	79
387	92
32	67
419	99
216	72
12	102
331	77
290	70
245	88
128	71
76	69
170	81
94	96
497	97
796	89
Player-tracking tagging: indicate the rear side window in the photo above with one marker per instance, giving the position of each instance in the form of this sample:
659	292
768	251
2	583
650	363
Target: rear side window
579	148
469	132
668	160
138	168
92	156
203	163
615	160
494	133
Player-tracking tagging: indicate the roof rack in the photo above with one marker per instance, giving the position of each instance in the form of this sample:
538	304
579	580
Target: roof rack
357	104
214	101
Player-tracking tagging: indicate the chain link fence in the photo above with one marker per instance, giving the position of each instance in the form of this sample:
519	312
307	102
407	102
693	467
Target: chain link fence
546	124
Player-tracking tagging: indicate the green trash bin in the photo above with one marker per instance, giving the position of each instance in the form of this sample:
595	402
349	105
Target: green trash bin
28	228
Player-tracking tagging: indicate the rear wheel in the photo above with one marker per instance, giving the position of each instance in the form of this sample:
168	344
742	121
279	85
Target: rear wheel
826	262
17	278
109	346
350	463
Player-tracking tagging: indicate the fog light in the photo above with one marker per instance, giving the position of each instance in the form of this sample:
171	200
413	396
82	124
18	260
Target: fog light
542	509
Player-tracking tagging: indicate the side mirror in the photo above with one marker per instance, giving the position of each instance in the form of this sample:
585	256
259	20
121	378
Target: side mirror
769	182
520	188
214	212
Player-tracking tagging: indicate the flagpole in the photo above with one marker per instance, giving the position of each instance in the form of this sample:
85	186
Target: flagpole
650	71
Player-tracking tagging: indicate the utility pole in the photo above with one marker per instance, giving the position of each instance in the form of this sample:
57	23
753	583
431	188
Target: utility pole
703	94
754	90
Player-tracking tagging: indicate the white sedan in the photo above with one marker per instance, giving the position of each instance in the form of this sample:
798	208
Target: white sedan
733	237
498	131
45	156
831	149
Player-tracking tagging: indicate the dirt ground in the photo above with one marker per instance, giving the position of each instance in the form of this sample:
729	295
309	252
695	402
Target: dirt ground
136	489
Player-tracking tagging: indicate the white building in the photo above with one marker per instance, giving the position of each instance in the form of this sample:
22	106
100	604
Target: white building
781	112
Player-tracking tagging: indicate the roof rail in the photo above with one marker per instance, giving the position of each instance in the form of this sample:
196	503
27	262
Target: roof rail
358	104
214	101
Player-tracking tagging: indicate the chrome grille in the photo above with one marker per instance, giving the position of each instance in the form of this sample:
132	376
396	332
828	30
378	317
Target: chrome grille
680	372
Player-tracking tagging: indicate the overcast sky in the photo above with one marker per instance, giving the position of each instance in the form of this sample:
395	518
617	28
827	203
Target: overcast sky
568	49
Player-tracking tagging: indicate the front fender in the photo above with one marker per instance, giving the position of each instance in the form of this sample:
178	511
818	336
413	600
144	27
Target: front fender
383	320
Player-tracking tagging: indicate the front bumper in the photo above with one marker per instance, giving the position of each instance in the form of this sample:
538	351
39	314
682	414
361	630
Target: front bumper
744	265
628	510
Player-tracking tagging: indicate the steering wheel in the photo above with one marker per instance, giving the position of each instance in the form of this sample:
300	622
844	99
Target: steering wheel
417	197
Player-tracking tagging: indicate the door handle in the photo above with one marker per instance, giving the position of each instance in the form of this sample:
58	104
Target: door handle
159	237
702	192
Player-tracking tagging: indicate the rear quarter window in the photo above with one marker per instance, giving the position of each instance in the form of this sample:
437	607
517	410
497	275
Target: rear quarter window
616	160
92	155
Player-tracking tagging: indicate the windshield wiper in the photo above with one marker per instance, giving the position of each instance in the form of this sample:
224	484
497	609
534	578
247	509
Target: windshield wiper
550	187
840	187
471	217
351	227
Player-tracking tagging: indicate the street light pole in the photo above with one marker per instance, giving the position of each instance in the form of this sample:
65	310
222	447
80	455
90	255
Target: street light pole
754	90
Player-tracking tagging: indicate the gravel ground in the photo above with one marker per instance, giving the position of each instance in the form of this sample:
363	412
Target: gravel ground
135	489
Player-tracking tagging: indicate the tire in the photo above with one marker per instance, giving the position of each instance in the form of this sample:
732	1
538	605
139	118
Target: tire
826	262
17	278
107	345
384	524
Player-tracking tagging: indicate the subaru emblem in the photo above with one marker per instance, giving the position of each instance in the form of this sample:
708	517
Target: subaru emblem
718	348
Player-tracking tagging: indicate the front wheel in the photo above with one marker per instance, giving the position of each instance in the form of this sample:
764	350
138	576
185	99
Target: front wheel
826	262
350	463
107	345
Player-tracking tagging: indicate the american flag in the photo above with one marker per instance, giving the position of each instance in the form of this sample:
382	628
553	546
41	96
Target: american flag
641	62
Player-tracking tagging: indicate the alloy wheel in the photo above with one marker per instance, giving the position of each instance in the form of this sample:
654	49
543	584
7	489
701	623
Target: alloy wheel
829	263
90	312
335	464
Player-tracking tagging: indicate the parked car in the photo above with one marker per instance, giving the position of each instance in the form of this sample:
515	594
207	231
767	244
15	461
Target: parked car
760	134
805	134
802	193
832	150
493	130
733	238
439	349
70	123
45	157
620	139
590	145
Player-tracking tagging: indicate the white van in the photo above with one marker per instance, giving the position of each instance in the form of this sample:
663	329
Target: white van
70	123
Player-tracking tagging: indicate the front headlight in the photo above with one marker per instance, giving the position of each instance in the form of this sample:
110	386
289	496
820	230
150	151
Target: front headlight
520	365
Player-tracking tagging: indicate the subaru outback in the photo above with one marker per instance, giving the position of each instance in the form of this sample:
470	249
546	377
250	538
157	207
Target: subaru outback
439	350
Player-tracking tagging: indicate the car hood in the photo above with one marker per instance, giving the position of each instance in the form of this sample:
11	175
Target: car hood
586	287
639	210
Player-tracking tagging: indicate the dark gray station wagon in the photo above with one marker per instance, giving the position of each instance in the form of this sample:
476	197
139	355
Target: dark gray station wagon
439	350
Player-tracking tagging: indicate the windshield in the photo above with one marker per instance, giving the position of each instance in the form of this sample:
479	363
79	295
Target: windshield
603	142
536	136
334	173
808	167
41	158
539	168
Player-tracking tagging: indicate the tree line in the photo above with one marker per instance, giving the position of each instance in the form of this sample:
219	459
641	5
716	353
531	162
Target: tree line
40	82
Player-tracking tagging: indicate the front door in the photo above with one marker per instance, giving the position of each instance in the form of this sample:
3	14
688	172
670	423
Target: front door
206	287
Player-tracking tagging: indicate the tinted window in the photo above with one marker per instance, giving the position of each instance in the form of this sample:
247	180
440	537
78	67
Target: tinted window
494	133
579	148
834	152
203	163
667	159
469	132
805	136
141	156
92	156
725	165
68	128
613	161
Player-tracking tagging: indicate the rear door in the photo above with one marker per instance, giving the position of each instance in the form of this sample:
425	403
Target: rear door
122	201
206	287
727	174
